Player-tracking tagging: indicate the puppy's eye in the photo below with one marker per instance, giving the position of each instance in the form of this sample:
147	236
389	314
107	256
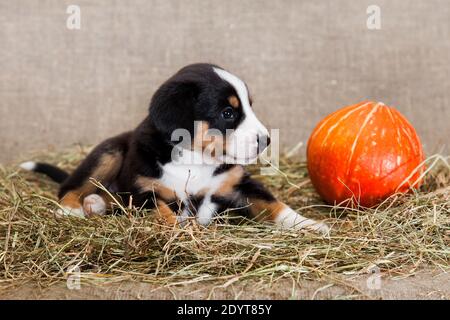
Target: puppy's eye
228	113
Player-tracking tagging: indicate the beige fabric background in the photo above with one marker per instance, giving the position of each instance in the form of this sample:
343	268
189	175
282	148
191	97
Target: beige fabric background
301	60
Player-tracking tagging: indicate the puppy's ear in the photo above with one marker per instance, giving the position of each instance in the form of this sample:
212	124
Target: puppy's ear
172	106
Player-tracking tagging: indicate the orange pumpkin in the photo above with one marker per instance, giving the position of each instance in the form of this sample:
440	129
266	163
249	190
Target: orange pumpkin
365	152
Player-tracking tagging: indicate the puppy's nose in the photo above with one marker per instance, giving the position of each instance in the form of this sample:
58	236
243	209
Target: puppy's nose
263	142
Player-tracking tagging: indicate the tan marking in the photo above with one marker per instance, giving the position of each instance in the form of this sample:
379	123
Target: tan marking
234	176
150	184
165	212
108	167
72	199
234	101
215	147
264	210
210	144
202	192
200	142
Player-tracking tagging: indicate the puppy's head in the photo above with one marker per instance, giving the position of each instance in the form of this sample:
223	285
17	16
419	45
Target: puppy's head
215	108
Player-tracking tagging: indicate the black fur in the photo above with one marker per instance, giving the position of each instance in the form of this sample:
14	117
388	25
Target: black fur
240	201
55	173
251	188
223	168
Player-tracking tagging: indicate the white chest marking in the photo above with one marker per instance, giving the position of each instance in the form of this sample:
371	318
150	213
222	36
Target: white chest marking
190	179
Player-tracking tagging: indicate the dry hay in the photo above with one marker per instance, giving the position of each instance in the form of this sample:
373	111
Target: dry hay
404	234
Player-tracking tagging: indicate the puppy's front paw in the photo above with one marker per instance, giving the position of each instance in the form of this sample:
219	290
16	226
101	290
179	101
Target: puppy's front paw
67	211
288	218
184	217
94	204
319	227
206	212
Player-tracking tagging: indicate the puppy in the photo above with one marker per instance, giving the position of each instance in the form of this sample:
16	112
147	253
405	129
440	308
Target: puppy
156	166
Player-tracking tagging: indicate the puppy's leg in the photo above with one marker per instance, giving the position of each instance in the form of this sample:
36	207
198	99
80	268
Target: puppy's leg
103	165
207	210
281	214
165	212
78	186
70	205
264	207
99	203
150	193
213	201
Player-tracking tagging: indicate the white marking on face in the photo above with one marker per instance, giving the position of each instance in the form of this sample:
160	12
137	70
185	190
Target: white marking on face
242	143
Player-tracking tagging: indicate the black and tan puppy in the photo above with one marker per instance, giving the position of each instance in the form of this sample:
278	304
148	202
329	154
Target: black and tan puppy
157	167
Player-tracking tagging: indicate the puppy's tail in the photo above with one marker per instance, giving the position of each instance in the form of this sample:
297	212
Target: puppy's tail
56	174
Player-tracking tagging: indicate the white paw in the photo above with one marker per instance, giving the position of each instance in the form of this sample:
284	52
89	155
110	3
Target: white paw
288	218
94	204
319	227
67	211
183	217
206	212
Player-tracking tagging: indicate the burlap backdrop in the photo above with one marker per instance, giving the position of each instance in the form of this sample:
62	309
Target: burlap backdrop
301	60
